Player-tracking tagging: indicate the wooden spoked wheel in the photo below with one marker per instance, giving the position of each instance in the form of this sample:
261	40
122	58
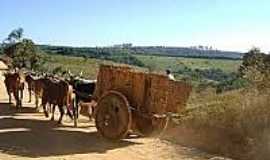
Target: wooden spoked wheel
113	116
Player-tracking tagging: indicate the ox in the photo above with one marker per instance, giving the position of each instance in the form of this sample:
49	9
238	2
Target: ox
15	84
29	79
36	86
83	90
57	92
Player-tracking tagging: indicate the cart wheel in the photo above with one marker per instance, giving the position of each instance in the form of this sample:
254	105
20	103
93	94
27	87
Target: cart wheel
113	116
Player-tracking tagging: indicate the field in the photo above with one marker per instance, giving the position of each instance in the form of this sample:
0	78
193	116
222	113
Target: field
174	63
89	66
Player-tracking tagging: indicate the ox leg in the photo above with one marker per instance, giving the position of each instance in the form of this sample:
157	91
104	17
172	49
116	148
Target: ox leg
21	97
30	95
90	113
36	100
75	106
61	109
50	108
45	109
17	99
9	98
53	110
69	113
77	111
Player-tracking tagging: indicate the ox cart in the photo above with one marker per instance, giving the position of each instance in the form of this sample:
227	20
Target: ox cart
132	100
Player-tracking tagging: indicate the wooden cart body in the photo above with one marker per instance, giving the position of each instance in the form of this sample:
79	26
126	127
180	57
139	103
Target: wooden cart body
148	96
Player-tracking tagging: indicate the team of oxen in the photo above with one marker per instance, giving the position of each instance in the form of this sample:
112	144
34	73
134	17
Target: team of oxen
69	94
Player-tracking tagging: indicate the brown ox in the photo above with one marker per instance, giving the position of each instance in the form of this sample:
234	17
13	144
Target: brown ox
15	84
38	88
30	84
57	92
35	85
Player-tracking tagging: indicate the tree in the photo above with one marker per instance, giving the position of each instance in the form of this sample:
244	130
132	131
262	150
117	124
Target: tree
1	49
256	68
23	51
14	37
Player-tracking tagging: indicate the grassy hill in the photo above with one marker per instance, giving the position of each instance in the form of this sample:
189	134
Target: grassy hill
176	63
107	52
198	64
190	52
59	63
197	70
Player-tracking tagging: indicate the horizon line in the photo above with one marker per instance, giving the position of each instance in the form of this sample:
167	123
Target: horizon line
114	46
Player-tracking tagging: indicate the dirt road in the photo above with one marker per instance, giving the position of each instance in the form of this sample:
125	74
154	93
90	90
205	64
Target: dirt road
27	134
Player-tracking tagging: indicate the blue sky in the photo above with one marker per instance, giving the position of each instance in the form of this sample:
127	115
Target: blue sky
224	24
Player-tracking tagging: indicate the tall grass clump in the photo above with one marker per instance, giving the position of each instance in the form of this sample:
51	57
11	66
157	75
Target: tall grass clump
235	123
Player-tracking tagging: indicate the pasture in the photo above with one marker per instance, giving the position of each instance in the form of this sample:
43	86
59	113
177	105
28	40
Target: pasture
89	66
174	63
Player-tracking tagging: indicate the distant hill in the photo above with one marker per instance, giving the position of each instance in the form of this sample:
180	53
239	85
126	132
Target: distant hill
187	52
119	50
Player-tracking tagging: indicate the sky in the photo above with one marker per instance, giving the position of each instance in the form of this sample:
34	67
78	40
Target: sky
234	25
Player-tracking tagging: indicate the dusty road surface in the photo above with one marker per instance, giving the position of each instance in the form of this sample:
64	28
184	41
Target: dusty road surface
27	134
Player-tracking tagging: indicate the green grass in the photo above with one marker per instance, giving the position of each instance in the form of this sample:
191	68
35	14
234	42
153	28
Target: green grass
89	66
174	63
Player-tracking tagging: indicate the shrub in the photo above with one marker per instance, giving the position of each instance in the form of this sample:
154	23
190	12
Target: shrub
256	68
231	84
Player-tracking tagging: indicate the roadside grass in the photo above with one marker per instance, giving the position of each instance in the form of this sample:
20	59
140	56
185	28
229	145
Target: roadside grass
235	124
